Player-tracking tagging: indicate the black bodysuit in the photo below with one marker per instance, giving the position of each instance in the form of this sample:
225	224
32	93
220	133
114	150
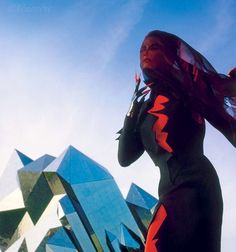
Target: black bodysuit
189	214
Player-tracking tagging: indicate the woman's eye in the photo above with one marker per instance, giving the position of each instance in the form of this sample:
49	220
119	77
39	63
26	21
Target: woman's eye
154	47
142	49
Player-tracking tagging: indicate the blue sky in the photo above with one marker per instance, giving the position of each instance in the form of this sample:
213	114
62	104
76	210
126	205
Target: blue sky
66	77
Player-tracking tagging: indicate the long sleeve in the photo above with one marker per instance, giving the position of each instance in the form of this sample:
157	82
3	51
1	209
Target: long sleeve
130	145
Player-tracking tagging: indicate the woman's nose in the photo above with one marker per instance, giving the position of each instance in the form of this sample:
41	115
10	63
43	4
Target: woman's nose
145	52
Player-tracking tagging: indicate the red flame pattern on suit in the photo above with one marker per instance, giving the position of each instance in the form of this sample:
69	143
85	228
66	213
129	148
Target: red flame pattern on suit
152	239
162	119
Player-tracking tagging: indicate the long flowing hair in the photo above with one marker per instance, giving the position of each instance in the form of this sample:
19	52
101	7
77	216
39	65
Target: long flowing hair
211	94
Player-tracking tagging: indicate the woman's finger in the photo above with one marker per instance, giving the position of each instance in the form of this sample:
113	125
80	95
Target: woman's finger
143	98
137	81
142	90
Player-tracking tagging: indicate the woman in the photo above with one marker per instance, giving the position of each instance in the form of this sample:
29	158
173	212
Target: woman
183	89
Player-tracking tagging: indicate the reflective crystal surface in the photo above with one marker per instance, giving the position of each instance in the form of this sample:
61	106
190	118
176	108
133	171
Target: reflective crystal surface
142	206
69	203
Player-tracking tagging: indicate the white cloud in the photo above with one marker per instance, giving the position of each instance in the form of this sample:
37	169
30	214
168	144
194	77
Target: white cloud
50	100
127	17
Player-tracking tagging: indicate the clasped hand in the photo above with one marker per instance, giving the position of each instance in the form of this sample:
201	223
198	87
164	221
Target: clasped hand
138	97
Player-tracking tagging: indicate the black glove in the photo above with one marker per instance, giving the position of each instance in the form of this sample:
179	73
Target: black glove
136	102
137	98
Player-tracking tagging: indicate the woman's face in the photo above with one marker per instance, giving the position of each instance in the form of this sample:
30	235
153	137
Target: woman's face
152	55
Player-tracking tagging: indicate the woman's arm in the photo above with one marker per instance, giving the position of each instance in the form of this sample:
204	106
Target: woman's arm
130	145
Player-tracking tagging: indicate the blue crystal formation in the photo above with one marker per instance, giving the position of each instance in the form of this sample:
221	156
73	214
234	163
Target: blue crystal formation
129	240
142	205
69	203
113	242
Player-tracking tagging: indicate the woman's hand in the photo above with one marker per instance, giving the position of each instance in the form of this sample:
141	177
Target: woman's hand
130	144
138	97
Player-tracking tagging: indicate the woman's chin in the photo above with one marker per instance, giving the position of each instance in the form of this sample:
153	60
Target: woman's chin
147	69
150	71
